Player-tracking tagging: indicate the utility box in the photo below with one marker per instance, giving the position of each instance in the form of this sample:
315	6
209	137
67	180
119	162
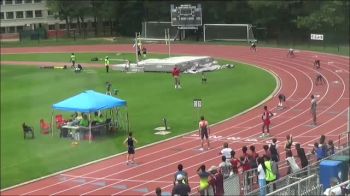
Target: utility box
330	169
345	166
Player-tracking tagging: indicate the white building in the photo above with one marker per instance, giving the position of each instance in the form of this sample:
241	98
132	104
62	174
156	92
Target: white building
17	14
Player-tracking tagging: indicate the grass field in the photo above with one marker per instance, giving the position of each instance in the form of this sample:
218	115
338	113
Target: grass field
27	94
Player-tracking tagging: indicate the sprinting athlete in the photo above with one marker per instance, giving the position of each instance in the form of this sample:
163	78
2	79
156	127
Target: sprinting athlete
253	46
290	53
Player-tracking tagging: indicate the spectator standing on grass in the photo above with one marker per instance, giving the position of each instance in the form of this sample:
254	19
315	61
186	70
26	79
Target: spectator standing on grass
274	150
226	151
72	60
234	162
107	63
204	131
180	188
301	154
203	180
331	148
182	172
261	176
176	75
225	167
130	142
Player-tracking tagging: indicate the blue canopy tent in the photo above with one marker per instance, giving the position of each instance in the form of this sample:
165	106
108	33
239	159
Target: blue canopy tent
88	102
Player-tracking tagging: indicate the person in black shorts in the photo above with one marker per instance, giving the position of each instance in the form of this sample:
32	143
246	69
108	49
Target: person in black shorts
319	79
290	52
204	131
253	46
129	141
281	100
317	64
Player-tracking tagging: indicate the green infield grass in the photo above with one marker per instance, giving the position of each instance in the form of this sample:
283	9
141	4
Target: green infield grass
27	95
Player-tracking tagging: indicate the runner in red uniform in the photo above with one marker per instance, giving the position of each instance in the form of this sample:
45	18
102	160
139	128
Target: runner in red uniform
317	63
266	121
176	75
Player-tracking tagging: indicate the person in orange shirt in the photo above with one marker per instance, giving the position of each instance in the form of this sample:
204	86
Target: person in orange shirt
176	75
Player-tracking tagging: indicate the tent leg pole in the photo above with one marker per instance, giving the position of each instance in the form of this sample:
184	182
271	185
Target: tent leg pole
90	128
52	122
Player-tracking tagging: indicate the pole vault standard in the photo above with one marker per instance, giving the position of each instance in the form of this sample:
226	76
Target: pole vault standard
136	45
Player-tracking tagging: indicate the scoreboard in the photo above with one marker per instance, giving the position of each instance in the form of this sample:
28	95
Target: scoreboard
186	16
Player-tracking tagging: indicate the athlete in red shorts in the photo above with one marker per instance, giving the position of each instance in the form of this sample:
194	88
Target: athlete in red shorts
266	121
176	76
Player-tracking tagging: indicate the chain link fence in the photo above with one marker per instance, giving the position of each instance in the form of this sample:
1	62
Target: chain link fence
296	188
231	186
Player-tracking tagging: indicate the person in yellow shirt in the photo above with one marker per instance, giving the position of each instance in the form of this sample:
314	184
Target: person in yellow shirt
72	59
269	175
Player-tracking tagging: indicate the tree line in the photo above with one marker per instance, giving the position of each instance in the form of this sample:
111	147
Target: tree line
270	19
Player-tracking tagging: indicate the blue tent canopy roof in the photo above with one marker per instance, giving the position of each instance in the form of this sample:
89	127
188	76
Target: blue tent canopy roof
89	101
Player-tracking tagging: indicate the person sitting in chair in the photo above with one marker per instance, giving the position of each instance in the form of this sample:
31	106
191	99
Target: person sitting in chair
97	119
84	122
27	129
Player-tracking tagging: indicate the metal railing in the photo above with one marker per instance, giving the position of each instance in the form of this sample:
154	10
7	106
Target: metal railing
249	188
298	187
231	186
341	185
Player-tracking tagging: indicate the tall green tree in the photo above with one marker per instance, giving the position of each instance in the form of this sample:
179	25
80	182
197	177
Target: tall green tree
331	17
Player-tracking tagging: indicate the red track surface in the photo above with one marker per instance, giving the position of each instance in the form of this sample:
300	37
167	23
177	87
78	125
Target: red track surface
157	163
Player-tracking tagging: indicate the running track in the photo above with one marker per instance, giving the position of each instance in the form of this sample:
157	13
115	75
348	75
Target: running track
157	163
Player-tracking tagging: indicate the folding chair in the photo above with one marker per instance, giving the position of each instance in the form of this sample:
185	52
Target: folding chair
27	129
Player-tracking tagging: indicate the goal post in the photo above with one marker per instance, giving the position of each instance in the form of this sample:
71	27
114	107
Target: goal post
155	30
228	32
